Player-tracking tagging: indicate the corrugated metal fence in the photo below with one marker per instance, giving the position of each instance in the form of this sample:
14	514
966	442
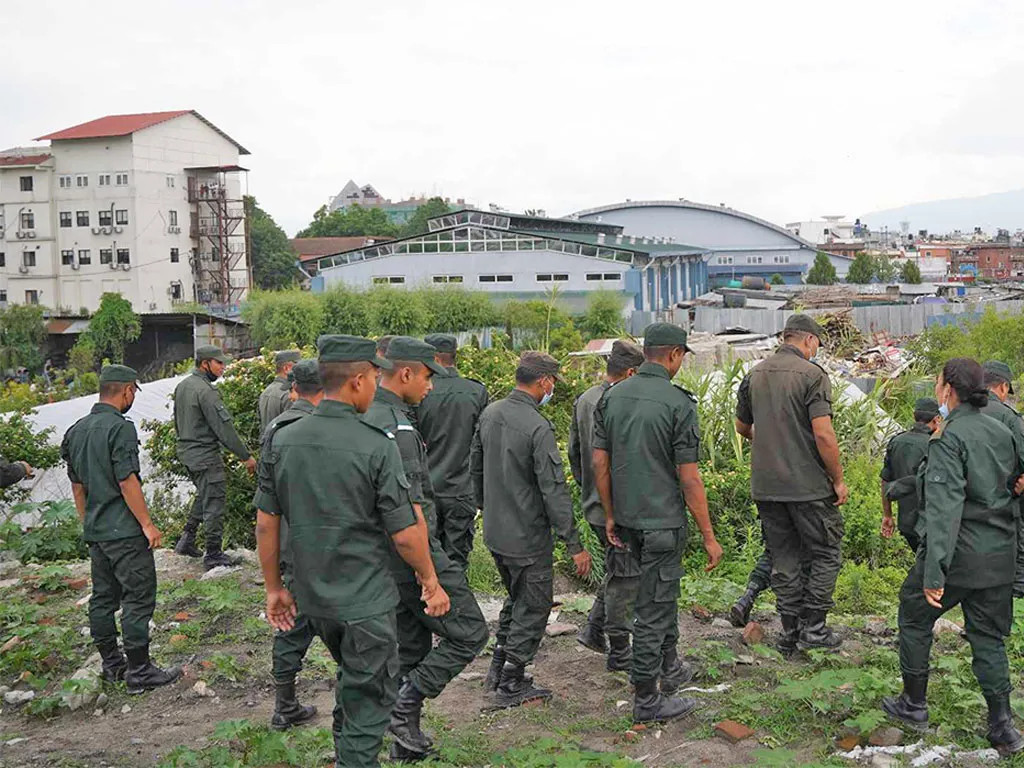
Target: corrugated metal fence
895	319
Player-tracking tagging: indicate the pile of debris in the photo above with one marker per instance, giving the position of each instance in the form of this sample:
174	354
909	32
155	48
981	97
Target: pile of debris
842	337
826	296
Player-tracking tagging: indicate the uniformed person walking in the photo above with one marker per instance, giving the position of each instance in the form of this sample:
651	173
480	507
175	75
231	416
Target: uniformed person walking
339	483
968	553
613	605
425	668
275	397
203	424
102	455
519	483
784	405
290	645
447	419
646	448
999	382
903	456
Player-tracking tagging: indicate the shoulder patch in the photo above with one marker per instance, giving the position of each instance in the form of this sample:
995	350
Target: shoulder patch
475	381
688	393
381	430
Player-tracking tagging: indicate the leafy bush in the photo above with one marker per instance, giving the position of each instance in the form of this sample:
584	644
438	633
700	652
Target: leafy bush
112	327
281	319
603	317
56	536
21	442
346	311
993	335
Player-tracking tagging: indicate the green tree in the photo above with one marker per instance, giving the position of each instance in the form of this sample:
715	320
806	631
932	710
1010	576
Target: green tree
417	223
777	279
452	308
22	337
397	312
113	327
282	319
862	269
603	318
351	221
273	261
82	356
346	311
885	270
910	272
821	272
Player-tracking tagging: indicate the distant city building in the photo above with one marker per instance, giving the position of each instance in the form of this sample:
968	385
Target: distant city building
522	256
738	244
145	205
993	261
829	229
367	196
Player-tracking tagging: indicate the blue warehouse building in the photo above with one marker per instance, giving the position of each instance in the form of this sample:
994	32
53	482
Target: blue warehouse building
520	256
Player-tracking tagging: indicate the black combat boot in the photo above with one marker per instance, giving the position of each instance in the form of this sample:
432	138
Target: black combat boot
114	662
187	543
673	672
815	634
405	719
790	634
494	673
592	637
516	687
144	675
400	754
287	710
651	706
739	614
216	559
620	654
1002	734
910	708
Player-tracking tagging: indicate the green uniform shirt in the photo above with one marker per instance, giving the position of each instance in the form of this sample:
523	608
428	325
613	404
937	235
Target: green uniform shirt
203	424
518	480
339	483
903	456
1004	414
392	415
648	426
780	397
273	400
581	451
101	450
970	533
447	420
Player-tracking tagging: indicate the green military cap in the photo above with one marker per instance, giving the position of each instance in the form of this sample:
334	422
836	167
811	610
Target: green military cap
626	354
539	364
339	348
1000	370
926	406
305	372
408	349
443	342
287	356
210	352
119	373
804	323
665	335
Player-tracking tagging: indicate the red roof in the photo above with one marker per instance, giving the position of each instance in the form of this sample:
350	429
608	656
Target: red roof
123	125
308	248
10	160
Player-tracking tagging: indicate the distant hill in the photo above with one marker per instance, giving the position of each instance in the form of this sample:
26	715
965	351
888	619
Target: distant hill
1001	210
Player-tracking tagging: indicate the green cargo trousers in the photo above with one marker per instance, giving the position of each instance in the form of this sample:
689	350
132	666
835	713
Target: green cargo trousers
123	576
290	646
616	595
462	631
524	616
658	556
366	652
799	531
456	524
988	616
211	497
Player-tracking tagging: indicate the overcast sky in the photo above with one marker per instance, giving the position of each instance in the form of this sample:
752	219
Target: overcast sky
786	110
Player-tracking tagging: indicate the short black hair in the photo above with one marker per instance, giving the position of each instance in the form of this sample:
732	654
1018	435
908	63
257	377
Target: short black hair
446	358
798	335
398	365
660	352
305	389
967	378
526	375
924	417
109	389
334	375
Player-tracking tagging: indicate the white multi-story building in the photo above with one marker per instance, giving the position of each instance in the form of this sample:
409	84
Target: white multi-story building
147	205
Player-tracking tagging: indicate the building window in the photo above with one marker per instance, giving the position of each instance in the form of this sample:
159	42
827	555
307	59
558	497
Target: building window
121	216
447	278
174	256
31	297
755	259
595	276
122	179
106	218
82	218
28	258
65	182
26	183
106	256
81	180
28	220
172	218
67	257
123	256
495	278
3	297
65	218
104	179
170	185
725	259
175	290
556	277
3	259
84	257
389	280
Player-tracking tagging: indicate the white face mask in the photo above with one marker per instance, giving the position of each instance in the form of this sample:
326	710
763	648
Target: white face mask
547	396
944	411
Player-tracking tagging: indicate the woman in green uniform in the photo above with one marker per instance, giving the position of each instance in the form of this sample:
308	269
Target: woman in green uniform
967	557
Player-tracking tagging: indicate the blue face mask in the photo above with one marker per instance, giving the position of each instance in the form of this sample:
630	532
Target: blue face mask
944	411
547	397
